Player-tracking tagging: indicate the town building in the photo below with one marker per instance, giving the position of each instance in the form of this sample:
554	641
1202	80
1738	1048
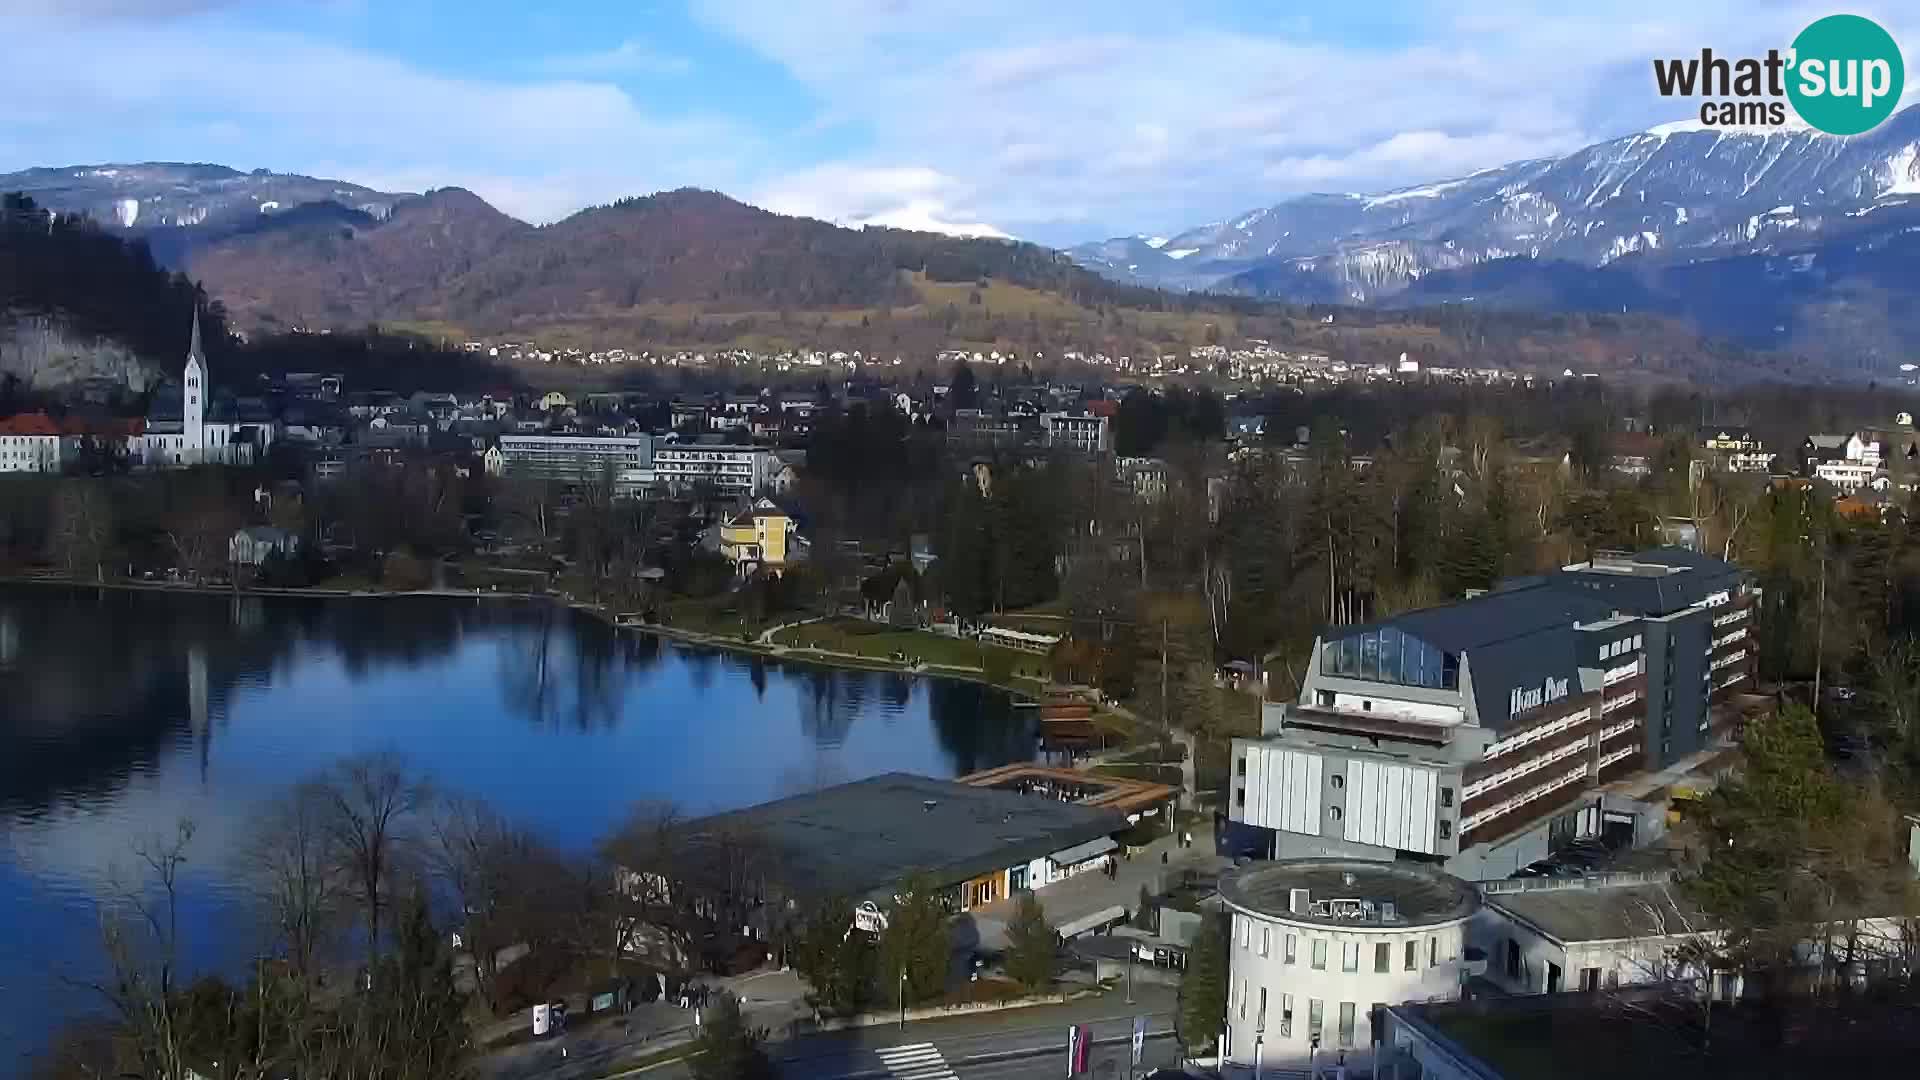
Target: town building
759	535
860	840
1084	432
1849	462
252	545
727	469
1318	947
1485	734
578	459
1736	449
30	442
187	426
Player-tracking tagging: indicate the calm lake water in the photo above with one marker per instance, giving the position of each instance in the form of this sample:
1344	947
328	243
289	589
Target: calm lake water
122	712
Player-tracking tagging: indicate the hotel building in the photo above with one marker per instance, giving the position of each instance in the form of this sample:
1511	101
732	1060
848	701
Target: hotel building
1483	735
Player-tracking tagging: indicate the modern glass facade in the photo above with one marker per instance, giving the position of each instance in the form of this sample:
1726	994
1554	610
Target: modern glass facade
1388	655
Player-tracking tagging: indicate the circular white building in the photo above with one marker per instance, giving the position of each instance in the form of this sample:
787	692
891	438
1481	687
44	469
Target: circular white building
1318	944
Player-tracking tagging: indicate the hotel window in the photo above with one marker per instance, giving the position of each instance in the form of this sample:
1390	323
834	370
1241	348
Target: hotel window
1246	932
1240	765
1243	999
1346	1023
1446	830
1382	957
1263	944
1286	1016
1413	956
1349	956
1288	947
1446	796
1433	952
1319	954
1260	1018
1316	1017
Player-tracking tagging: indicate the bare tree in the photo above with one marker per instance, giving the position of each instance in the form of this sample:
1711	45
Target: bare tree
294	869
371	802
485	862
142	940
82	527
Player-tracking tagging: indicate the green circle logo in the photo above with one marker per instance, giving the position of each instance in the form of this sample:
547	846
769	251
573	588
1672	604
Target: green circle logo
1846	74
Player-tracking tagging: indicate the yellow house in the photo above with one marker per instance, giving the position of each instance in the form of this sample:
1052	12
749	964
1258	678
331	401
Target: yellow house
759	535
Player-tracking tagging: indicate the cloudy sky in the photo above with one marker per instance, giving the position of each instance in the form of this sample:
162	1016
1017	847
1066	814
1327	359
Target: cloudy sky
1058	122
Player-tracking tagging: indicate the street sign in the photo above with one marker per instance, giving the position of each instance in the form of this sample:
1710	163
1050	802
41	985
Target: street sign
1139	1038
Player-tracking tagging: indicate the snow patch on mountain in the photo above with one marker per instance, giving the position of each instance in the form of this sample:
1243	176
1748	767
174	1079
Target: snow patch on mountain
1180	253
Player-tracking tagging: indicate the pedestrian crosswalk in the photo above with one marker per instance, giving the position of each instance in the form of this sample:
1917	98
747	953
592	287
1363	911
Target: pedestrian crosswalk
919	1061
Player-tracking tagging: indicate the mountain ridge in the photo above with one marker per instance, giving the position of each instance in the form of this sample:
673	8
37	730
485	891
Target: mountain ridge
1676	186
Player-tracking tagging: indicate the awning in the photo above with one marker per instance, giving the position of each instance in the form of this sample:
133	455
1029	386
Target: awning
1080	853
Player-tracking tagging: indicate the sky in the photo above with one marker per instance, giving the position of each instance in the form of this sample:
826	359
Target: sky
1057	122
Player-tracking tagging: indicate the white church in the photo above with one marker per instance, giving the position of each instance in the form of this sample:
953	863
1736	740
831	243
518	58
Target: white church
198	431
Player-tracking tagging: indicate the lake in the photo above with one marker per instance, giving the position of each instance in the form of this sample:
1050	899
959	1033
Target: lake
122	712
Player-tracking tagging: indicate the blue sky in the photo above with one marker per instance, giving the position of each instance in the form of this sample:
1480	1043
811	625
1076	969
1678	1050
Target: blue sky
1057	122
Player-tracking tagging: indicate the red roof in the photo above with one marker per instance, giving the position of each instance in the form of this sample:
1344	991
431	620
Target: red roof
1103	407
29	424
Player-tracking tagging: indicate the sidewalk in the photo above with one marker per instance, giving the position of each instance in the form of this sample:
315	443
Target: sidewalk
1078	897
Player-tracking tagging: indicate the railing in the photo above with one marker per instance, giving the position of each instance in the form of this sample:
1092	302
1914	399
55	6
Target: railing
1731	617
1534	735
1570	777
1621	754
1620	702
1525	768
1730	658
1618	729
1727	639
1624	671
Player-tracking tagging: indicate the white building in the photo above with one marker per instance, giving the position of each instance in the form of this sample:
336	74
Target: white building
1847	477
578	459
1077	431
730	470
1320	946
200	434
29	442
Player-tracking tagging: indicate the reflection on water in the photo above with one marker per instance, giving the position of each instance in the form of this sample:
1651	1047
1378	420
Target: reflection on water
121	711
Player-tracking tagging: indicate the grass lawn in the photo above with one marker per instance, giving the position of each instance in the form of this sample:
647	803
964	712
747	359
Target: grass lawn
859	638
719	616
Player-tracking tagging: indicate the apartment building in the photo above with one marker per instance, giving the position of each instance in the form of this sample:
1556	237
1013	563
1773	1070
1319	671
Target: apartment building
1084	432
728	469
1483	734
579	458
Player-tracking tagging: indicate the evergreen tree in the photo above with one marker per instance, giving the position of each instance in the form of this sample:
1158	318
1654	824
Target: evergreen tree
727	1049
916	943
1203	988
1032	945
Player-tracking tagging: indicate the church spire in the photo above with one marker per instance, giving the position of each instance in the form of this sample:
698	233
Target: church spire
193	345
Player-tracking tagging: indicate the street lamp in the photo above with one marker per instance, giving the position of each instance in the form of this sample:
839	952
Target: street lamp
1258	1038
903	999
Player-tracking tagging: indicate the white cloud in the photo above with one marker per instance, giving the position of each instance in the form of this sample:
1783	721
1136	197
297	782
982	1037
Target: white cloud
910	197
537	149
1113	112
630	57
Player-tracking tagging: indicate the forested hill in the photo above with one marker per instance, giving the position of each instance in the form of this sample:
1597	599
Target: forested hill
696	269
97	285
117	315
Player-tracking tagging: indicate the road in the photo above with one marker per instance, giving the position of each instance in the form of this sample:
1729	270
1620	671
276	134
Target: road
1007	1045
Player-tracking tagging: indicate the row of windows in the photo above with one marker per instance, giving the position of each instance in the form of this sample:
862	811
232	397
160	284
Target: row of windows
1347	1013
1387	655
1350	951
1620	648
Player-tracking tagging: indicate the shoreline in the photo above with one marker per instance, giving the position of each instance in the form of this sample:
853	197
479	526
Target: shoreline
770	651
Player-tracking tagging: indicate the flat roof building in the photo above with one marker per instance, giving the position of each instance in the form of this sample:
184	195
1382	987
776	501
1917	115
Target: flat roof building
977	844
1480	734
1318	946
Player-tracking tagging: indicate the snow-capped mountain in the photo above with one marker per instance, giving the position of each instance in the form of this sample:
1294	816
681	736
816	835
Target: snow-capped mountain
159	194
1709	191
